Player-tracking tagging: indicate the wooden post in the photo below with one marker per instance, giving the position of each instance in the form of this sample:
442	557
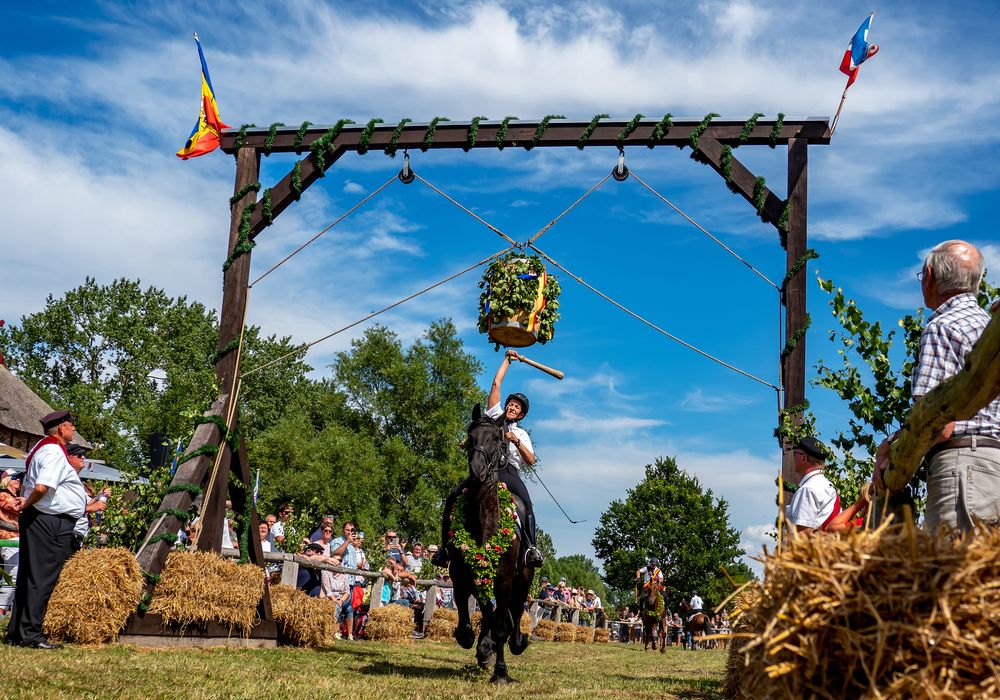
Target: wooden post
430	604
472	605
533	614
234	301
576	616
375	601
794	363
290	573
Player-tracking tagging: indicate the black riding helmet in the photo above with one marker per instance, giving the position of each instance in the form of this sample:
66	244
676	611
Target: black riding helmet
521	399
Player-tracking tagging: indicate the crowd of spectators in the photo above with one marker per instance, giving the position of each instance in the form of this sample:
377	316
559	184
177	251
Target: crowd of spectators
572	600
628	628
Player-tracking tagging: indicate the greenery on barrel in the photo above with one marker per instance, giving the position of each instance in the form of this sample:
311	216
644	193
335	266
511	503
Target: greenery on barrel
507	294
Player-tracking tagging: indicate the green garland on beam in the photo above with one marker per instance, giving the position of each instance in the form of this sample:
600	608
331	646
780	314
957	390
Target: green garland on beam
540	129
783	219
324	144
660	130
299	135
502	131
219	354
269	139
760	196
297	179
243	191
241	136
431	130
470	140
700	129
390	149
244	244
726	165
265	212
628	129
217	421
776	129
170	537
191	489
585	136
366	134
748	127
810	254
796	337
181	515
203	450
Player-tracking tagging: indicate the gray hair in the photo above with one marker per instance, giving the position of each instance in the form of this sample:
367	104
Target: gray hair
953	271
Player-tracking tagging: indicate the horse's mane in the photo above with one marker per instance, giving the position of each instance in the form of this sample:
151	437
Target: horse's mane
486	513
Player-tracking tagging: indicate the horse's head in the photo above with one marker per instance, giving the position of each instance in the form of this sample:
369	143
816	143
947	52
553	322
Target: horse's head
485	446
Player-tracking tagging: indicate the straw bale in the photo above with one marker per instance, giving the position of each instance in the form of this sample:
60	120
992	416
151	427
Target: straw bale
565	632
546	630
890	613
584	634
477	621
525	623
391	623
97	591
303	619
443	624
602	636
196	588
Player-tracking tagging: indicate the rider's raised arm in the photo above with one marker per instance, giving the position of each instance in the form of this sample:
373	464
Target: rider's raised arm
494	398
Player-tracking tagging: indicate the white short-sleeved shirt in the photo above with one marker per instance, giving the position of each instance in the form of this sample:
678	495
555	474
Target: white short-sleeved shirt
513	454
696	603
277	530
49	467
814	501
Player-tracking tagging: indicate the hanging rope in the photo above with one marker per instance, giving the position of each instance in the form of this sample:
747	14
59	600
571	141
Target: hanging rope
652	325
337	221
702	229
471	213
568	209
372	315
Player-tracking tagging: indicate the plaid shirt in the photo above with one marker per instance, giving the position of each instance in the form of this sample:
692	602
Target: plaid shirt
950	334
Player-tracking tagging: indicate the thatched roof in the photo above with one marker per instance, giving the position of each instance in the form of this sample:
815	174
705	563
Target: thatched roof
21	408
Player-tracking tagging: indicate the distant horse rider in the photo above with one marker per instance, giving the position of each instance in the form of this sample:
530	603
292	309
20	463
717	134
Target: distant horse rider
649	573
696	605
519	452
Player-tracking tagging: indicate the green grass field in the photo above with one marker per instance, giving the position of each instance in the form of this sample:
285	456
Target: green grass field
358	670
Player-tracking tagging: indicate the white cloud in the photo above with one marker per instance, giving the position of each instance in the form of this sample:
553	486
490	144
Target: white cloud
698	401
353	188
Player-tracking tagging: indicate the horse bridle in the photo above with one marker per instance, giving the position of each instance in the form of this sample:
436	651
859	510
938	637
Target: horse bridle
499	458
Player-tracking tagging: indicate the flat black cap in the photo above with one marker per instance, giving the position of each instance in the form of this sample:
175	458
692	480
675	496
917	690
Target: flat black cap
55	418
75	451
812	447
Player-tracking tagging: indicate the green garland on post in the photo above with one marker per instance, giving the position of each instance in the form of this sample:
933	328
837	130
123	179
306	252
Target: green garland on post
628	129
540	129
170	537
585	136
810	254
431	130
244	244
265	211
699	130
502	131
797	336
748	127
470	140
299	135
321	146
203	450
783	219
243	191
241	136
222	352
390	149
269	139
660	130
776	129
366	135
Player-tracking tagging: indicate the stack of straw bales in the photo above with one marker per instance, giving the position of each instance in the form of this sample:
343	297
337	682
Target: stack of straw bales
545	630
391	623
303	619
443	624
565	632
601	636
584	634
97	591
201	587
525	623
891	613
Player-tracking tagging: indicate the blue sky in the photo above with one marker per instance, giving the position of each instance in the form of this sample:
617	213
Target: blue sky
95	98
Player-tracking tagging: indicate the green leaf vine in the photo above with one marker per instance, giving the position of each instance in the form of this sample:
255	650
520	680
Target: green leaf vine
269	139
299	135
324	144
366	135
431	130
391	147
470	140
540	129
585	136
628	129
749	126
776	129
297	179
502	131
660	130
243	191
241	135
700	129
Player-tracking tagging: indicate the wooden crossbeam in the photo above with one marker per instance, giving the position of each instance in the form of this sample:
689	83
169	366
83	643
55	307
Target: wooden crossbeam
741	179
559	133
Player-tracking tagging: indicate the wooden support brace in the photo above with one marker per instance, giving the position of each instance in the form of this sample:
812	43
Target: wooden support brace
957	398
741	179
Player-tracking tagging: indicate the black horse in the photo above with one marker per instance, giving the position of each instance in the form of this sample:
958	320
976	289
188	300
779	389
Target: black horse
501	623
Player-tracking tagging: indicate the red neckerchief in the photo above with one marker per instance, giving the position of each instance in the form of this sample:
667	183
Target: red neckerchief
48	440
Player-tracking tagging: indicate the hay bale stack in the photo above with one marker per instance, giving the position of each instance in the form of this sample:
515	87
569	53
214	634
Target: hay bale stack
201	587
443	624
565	632
602	636
477	621
525	623
302	619
584	634
97	591
392	623
545	630
894	613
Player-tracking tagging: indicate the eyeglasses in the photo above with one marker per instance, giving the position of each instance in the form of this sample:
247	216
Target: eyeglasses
920	275
327	529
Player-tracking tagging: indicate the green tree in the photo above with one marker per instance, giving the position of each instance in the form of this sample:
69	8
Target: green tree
671	516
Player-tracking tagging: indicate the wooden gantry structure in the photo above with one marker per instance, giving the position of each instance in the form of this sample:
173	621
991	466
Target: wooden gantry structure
217	453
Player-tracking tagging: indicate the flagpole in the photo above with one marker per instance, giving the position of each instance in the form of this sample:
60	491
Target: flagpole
836	117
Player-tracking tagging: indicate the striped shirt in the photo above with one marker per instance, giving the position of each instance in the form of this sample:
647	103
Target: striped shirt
946	341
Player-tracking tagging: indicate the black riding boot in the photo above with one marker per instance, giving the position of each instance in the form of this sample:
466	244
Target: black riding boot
532	557
440	557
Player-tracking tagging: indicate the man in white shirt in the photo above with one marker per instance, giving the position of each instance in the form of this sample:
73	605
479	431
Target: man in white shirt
52	500
815	502
696	603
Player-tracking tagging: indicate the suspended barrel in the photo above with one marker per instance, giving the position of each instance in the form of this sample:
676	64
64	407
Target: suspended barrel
514	302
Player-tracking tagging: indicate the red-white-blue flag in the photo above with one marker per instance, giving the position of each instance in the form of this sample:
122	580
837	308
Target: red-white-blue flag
858	51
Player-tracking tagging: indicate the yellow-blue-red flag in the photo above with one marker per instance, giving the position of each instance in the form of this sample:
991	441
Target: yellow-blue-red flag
205	136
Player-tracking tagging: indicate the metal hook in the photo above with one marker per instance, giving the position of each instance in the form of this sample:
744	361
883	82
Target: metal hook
406	175
620	172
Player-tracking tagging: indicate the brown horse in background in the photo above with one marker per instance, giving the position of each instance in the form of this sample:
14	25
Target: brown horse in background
652	611
699	624
501	621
